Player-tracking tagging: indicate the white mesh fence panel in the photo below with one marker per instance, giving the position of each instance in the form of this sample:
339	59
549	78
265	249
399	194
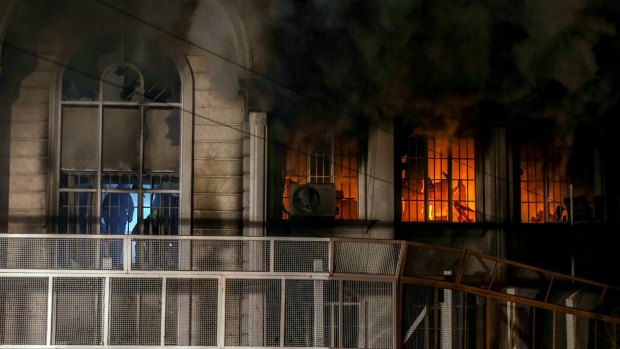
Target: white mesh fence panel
367	314
191	312
214	292
252	312
23	310
78	311
135	311
301	256
230	255
61	253
312	313
352	257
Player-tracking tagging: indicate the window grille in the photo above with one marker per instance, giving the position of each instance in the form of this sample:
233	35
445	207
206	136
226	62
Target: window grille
119	145
438	181
335	161
543	185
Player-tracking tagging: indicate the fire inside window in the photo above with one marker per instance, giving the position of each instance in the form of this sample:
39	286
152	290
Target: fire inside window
438	180
544	186
334	161
119	145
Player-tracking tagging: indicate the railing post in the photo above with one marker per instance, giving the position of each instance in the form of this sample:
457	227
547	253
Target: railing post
50	298
106	311
163	311
272	257
330	257
127	253
221	314
282	310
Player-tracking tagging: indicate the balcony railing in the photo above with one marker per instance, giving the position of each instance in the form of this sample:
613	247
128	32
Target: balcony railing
150	291
92	291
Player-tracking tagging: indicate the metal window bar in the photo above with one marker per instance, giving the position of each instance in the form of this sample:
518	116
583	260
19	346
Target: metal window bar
543	185
101	97
438	180
333	161
345	177
320	168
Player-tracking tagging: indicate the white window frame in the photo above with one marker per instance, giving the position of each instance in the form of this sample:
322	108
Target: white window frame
185	106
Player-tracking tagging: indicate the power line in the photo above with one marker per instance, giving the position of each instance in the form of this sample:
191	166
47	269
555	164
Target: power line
266	77
241	130
274	81
263	76
304	152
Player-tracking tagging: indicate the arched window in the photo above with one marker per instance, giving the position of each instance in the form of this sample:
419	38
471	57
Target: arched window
120	130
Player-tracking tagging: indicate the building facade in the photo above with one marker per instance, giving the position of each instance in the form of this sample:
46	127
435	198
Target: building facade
160	118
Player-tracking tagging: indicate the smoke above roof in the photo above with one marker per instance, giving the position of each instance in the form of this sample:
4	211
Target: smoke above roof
439	60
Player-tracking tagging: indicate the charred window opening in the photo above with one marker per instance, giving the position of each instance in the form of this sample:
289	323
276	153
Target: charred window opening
555	182
544	185
333	160
438	181
119	142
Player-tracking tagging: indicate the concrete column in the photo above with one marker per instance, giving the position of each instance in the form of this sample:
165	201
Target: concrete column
379	182
253	304
497	194
255	225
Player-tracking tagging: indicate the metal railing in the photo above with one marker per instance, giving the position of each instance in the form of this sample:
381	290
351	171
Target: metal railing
60	291
91	291
490	302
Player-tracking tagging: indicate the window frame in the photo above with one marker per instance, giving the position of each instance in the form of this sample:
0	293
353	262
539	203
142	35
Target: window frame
404	156
185	138
309	154
547	158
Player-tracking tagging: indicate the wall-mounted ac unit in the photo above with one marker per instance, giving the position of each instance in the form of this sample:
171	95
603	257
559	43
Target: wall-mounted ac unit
313	200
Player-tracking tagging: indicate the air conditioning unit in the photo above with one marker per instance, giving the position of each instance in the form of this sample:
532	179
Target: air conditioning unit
313	200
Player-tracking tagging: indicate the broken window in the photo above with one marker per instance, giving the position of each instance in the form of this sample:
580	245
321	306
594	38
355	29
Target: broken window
119	143
543	184
332	160
438	181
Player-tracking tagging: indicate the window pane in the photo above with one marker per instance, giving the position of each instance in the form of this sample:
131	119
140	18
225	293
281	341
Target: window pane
121	84
161	140
345	177
320	164
463	180
438	181
77	213
160	213
80	135
121	139
118	214
413	167
119	180
543	185
78	179
160	181
333	160
557	192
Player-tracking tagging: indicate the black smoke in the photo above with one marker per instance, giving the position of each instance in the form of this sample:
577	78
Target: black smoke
440	59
